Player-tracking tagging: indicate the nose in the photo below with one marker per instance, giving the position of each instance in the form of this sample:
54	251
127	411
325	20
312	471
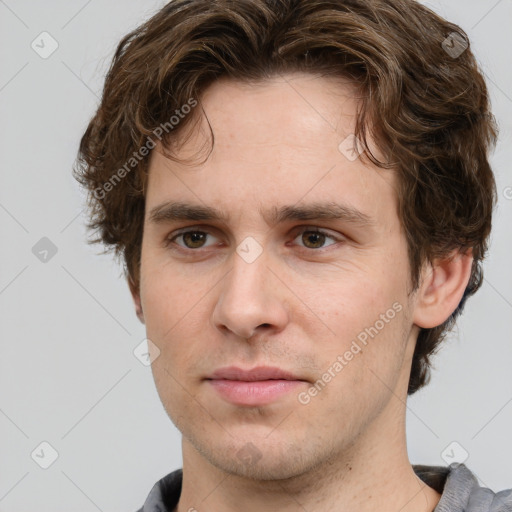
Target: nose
251	299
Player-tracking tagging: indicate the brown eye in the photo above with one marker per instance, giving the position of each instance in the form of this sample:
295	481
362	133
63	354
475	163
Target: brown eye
191	239
194	239
314	238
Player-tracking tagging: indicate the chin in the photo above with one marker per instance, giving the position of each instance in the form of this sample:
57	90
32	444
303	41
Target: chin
259	459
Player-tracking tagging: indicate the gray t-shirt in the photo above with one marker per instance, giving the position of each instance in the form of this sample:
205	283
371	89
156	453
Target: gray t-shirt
458	486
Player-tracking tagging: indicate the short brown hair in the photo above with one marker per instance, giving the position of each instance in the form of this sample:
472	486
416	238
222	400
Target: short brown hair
426	106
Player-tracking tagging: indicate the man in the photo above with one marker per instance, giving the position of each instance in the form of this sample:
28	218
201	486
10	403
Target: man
301	194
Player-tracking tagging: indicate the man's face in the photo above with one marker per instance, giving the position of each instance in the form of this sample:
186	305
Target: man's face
247	293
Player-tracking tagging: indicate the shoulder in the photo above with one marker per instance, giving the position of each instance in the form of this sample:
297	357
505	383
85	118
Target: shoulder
165	494
460	490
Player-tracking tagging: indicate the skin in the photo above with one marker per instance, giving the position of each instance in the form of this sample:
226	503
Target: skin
298	306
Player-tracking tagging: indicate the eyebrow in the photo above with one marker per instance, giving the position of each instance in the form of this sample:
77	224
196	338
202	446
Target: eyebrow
180	211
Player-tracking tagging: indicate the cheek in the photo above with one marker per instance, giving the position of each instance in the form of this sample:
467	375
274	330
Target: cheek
358	331
174	318
167	297
344	302
175	322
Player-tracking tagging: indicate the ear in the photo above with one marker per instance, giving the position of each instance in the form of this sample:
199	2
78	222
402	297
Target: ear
135	291
442	287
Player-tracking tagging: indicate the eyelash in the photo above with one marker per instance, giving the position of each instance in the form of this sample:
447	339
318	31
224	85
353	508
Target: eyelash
314	230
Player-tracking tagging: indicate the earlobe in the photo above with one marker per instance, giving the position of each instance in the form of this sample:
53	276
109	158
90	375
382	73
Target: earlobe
135	292
442	287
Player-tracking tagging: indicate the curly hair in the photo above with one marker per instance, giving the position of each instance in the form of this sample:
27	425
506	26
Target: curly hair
423	99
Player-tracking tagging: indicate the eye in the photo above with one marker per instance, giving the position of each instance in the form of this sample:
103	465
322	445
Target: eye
195	239
314	238
192	239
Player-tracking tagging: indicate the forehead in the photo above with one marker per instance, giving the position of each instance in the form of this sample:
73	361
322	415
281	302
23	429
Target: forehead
285	108
274	139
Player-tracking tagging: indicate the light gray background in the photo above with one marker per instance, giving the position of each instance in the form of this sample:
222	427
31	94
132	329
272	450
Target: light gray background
68	375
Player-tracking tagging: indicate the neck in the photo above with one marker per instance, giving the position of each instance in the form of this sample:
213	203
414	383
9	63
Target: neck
372	473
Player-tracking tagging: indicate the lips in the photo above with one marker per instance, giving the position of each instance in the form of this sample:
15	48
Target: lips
256	387
260	373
